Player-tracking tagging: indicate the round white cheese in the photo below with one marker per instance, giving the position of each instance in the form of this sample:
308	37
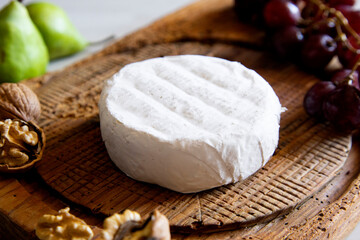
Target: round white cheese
189	123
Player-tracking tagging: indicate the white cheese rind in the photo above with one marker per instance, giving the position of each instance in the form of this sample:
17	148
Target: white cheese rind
189	123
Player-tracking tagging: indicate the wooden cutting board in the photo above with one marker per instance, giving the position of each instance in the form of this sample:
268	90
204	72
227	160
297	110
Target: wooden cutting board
76	163
311	160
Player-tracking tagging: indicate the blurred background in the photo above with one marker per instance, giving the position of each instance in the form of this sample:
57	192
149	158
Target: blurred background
97	20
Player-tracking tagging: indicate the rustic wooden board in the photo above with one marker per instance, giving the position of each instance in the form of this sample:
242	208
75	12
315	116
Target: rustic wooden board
311	155
76	163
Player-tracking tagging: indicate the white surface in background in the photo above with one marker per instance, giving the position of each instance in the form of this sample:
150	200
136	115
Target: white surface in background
97	20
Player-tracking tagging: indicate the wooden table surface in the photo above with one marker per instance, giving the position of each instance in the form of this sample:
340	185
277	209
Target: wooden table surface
330	213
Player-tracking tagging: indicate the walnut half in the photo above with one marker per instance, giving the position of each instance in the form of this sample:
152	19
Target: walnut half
21	145
63	226
127	226
16	141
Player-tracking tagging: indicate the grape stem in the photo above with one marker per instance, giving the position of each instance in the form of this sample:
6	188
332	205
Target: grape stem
341	19
349	79
356	65
343	38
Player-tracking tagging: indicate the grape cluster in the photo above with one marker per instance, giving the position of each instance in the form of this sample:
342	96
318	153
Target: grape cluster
312	33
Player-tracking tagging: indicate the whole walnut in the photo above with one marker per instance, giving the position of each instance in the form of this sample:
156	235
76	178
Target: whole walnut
22	141
17	101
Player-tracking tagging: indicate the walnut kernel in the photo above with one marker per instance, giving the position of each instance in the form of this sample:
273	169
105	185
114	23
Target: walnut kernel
129	227
17	142
113	223
63	226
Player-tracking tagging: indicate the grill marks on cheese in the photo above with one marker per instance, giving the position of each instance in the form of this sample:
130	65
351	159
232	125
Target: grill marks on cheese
193	99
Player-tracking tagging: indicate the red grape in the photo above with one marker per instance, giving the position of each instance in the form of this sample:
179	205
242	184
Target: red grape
325	26
318	50
340	76
354	20
250	11
309	31
314	98
287	41
309	10
342	108
345	2
347	57
352	15
280	13
344	9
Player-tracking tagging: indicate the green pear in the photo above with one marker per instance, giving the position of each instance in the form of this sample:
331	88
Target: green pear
23	53
60	35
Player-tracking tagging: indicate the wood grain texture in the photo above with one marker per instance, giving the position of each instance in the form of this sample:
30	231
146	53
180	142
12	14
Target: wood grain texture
76	163
316	194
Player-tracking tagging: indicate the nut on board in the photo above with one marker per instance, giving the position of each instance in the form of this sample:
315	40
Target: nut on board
22	141
17	141
63	226
113	223
17	101
128	226
21	145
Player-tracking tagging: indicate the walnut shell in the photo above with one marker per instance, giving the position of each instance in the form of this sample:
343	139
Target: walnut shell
34	157
156	227
18	101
